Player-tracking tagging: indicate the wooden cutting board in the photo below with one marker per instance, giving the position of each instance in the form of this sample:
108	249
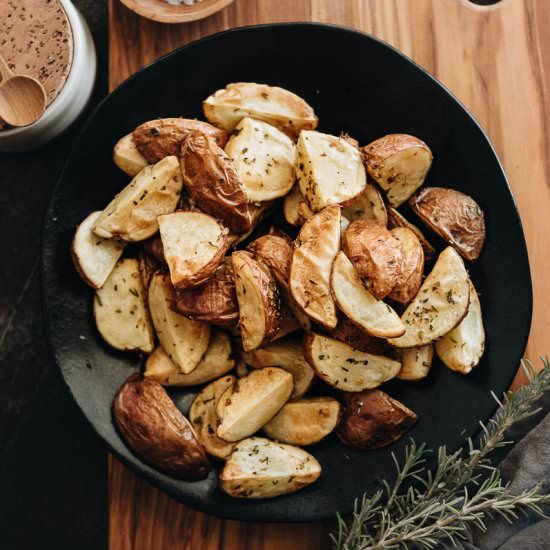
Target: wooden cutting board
494	59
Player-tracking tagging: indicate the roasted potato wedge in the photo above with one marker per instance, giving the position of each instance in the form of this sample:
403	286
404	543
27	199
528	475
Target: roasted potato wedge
154	428
329	170
260	468
263	158
132	214
214	302
127	156
415	362
216	362
153	247
372	419
277	106
295	207
212	181
287	354
252	402
147	268
376	255
346	368
396	219
314	251
287	324
369	205
257	213
94	258
304	422
258	298
412	266
184	340
359	305
462	348
204	420
274	251
454	216
120	312
399	164
161	138
349	333
194	246
440	304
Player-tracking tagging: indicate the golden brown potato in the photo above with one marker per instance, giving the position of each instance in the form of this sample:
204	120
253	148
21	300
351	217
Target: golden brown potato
288	323
372	419
154	428
349	333
412	266
275	251
359	305
277	106
454	216
304	422
194	246
258	298
399	164
160	138
314	251
440	304
263	158
415	362
127	157
202	415
369	205
260	468
216	362
210	178
329	170
257	213
346	368
376	255
396	219
251	402
295	207
214	302
94	258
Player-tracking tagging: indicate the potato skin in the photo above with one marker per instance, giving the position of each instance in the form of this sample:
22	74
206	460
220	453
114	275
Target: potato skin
275	251
154	428
160	138
412	267
396	219
212	182
214	302
454	216
372	419
349	333
376	255
153	246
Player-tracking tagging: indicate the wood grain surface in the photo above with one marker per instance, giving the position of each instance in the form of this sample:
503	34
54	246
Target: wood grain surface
494	59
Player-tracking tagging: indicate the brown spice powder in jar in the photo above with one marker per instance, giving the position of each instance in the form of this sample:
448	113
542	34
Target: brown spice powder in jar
36	40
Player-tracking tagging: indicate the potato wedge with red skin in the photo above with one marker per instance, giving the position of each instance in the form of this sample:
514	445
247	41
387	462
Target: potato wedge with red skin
454	216
314	251
258	299
251	402
415	362
194	246
154	428
275	252
376	255
127	156
260	468
412	266
396	219
348	332
305	421
216	361
203	418
213	302
369	205
372	419
346	368
283	109
399	164
160	138
212	182
440	304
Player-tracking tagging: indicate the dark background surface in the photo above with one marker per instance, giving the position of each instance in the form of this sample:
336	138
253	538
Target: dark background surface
53	469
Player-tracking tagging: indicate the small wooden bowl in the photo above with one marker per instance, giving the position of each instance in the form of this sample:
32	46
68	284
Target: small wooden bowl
161	11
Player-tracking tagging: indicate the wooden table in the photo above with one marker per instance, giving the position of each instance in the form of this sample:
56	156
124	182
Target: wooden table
495	59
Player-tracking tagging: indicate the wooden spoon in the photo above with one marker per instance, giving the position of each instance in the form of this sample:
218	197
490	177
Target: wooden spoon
22	98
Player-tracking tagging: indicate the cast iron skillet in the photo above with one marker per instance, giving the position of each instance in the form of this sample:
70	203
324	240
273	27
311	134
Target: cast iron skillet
357	84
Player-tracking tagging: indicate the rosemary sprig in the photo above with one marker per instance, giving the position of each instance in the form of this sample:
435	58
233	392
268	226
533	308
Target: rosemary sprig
425	507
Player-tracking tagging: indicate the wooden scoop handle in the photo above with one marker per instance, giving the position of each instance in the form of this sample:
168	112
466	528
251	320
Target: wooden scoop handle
5	72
